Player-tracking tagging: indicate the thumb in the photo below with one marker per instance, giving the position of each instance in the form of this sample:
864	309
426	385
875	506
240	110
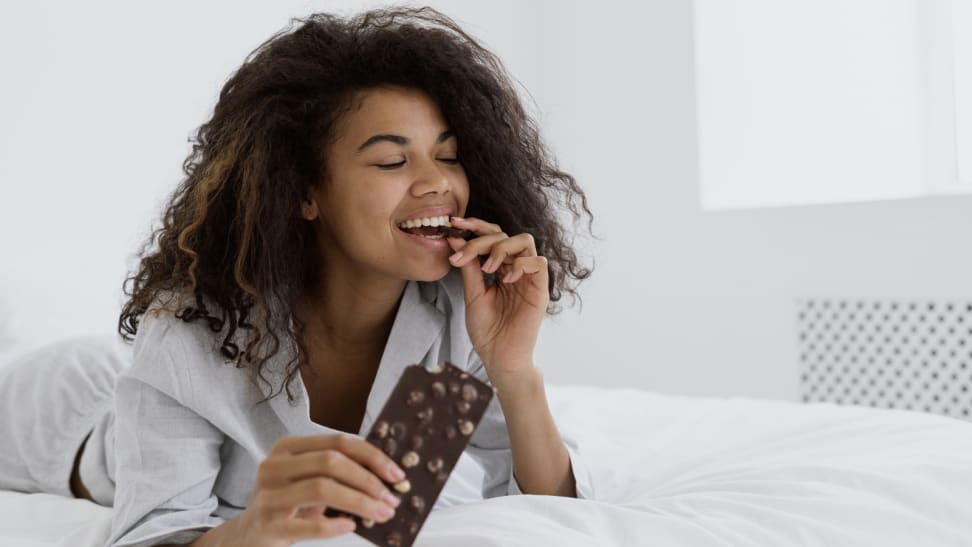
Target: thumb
472	275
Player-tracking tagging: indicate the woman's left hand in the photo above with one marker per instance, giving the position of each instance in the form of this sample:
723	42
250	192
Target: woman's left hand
503	320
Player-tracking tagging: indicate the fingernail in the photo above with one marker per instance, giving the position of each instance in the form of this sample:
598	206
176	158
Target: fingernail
456	257
460	219
507	277
390	498
487	264
396	472
383	511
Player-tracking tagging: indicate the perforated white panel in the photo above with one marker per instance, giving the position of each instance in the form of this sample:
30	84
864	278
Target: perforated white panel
915	355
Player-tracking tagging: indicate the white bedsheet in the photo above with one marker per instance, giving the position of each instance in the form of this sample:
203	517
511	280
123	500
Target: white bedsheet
674	470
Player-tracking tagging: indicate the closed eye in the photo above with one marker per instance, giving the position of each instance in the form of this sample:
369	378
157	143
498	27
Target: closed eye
451	161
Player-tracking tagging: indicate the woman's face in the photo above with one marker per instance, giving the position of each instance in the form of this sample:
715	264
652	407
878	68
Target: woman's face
393	160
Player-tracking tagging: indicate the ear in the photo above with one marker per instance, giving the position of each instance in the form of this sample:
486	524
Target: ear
308	209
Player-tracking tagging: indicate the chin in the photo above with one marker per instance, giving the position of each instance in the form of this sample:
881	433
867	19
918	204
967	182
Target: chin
432	274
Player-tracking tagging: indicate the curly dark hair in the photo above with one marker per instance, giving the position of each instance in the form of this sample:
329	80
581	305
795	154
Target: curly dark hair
231	240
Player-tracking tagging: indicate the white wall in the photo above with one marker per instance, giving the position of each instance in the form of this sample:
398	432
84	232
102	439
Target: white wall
694	302
100	97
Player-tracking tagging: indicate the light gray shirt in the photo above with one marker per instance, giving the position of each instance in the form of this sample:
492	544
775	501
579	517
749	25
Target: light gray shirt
189	434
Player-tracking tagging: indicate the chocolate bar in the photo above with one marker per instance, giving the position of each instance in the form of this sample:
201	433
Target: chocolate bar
424	426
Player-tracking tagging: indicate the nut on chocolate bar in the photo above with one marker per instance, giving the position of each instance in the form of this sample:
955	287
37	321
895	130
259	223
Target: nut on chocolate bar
435	464
410	459
416	397
417	504
417	442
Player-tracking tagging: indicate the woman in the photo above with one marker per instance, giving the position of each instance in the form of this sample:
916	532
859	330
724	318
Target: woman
303	254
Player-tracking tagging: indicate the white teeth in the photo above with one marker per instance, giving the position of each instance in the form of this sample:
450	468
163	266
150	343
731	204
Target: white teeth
427	221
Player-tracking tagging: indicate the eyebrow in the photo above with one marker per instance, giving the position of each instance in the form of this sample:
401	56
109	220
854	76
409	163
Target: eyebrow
400	140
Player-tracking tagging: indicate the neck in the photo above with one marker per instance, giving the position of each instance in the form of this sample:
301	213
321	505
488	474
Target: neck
350	312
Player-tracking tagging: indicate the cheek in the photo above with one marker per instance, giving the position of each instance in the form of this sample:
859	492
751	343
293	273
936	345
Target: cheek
462	196
371	216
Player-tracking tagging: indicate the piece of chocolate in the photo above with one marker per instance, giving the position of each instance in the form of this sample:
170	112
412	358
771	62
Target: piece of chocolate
449	231
425	441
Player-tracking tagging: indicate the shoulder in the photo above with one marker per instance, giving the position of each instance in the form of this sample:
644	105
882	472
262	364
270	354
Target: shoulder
172	355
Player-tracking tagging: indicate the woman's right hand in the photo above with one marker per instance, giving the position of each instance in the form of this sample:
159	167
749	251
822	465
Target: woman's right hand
304	475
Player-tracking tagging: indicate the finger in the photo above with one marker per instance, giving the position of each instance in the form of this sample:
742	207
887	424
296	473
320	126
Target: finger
329	463
356	448
321	527
311	512
473	285
475	225
533	266
481	245
290	499
504	251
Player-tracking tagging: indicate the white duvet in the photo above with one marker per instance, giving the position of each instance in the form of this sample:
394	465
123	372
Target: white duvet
682	471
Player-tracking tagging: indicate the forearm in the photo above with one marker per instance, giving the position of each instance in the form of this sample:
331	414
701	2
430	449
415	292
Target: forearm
540	459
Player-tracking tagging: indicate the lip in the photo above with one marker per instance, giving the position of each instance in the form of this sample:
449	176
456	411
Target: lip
436	244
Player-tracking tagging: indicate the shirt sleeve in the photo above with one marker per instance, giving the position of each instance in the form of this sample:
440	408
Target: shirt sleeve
491	447
167	455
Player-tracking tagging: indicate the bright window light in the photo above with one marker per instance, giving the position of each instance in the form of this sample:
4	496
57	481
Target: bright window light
829	101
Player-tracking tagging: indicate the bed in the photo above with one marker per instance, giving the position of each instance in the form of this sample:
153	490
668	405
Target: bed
674	470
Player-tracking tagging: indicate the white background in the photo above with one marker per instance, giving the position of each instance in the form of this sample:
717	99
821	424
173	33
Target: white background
99	97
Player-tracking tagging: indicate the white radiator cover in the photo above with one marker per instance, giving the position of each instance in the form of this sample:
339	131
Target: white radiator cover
905	354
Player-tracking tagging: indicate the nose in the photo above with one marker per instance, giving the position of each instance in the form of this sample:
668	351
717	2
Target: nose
430	178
